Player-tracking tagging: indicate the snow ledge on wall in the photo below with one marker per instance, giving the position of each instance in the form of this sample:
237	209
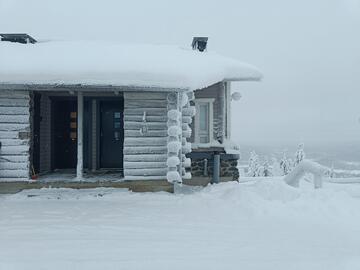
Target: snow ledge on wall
229	146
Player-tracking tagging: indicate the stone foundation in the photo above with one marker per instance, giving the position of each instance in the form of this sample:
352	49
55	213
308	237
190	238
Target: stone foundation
228	167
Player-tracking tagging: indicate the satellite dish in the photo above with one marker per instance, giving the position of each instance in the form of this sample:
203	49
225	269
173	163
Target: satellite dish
235	96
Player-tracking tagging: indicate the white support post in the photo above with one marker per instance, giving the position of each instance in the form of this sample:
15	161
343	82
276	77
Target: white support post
80	111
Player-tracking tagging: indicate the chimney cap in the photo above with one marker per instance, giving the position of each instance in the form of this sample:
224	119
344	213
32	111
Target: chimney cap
19	38
199	43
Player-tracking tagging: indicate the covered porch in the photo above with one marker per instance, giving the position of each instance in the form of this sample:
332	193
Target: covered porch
113	134
76	133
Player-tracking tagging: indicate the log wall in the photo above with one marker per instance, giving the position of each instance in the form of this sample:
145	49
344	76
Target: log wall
145	142
14	135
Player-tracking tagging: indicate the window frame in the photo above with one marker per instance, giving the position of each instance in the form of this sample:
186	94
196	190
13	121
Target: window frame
210	103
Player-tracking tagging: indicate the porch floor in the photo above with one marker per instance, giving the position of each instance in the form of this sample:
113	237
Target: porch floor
70	176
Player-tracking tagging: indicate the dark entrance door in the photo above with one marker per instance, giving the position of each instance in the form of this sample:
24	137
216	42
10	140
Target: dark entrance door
111	134
64	119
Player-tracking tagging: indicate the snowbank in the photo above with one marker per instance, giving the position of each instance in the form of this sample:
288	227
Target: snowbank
257	225
111	63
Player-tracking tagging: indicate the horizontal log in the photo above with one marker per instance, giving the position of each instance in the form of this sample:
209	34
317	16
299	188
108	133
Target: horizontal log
14	94
14	119
14	127
145	141
144	178
14	142
148	103
145	158
149	111
150	133
188	111
9	134
14	174
187	119
14	102
150	126
145	150
145	172
139	118
14	110
14	166
14	159
144	165
14	179
14	150
143	95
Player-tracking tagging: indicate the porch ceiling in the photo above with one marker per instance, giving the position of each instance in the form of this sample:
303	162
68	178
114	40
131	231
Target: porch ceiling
86	88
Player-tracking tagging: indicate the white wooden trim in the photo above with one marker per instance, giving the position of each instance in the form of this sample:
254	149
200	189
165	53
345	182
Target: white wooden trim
80	107
228	109
210	101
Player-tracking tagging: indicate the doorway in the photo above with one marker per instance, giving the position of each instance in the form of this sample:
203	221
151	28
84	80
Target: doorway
36	134
111	134
64	133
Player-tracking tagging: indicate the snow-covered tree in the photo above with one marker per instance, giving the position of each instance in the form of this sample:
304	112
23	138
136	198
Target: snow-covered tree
285	164
266	169
254	166
300	154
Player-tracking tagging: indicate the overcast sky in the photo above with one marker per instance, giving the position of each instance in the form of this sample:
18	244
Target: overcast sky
308	50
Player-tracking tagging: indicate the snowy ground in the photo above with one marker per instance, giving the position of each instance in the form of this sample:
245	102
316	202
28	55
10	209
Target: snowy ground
255	225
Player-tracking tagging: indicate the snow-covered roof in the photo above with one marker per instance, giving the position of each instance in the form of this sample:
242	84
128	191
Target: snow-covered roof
117	64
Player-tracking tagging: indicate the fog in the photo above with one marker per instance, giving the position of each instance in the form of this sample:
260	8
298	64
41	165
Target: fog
307	50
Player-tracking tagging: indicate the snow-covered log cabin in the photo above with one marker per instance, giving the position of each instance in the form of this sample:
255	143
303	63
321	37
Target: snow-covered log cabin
104	111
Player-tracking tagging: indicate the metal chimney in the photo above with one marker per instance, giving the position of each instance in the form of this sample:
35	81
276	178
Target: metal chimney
199	43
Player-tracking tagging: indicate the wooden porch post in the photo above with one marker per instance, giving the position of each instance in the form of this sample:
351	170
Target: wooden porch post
80	111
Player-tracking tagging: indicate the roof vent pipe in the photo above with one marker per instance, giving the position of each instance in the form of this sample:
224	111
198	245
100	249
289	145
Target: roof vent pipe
199	43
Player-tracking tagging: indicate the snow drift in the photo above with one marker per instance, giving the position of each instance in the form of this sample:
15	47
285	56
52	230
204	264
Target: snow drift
260	225
116	64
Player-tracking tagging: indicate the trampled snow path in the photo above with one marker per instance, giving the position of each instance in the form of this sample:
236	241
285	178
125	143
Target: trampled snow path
255	225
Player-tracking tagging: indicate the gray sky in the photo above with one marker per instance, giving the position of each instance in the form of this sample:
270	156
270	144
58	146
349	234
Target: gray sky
309	52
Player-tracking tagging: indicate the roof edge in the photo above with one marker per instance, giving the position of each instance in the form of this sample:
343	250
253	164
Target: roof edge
87	87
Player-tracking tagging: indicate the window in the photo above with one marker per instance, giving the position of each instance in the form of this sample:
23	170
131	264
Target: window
117	120
204	120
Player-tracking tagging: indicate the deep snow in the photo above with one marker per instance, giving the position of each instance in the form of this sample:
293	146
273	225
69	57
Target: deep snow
114	63
263	224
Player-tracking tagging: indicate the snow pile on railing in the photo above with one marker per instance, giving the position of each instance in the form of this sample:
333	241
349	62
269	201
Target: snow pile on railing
306	166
